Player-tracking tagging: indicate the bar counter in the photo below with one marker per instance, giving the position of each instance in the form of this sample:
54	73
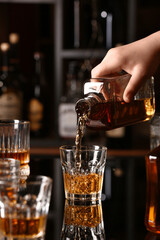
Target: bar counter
123	199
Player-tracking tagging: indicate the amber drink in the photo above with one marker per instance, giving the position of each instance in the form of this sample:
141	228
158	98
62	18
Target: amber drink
152	216
15	143
24	216
103	105
83	171
85	220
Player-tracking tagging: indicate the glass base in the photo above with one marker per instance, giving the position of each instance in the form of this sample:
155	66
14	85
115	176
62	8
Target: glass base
83	197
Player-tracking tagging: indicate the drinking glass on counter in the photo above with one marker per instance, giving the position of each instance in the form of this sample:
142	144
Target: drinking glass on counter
9	182
15	143
83	171
82	221
25	215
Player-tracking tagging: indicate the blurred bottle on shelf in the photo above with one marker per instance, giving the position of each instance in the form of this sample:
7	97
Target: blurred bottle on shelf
67	114
14	61
14	51
11	94
88	20
37	104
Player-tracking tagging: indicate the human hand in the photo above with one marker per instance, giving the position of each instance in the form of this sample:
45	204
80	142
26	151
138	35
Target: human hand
140	59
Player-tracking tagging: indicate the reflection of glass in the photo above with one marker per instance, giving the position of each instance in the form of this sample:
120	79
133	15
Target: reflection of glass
24	215
82	221
83	181
15	142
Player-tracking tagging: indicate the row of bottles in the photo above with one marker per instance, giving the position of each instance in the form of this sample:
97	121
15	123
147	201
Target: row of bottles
20	98
93	24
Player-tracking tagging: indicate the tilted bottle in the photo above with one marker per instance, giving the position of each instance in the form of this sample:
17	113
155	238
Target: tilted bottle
104	106
37	105
11	95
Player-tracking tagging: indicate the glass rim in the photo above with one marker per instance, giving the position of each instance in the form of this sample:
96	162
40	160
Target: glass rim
86	148
14	121
37	179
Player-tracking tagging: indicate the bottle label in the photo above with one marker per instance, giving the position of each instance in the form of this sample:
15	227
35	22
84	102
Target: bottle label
11	106
67	120
116	133
35	114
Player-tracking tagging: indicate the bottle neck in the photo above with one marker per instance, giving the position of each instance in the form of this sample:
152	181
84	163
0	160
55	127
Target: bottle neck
39	72
84	106
14	57
5	67
38	78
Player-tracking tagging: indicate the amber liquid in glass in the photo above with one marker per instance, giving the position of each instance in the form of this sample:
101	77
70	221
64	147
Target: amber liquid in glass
22	156
152	216
79	183
83	183
86	216
23	227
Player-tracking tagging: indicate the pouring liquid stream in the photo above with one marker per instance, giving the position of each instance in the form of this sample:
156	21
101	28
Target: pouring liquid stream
78	141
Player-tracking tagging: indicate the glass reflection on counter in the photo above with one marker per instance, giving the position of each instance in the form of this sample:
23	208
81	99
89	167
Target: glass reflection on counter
82	221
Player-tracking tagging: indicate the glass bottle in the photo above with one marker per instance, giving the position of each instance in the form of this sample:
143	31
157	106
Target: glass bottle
11	94
104	106
152	214
14	60
67	114
14	51
37	105
155	131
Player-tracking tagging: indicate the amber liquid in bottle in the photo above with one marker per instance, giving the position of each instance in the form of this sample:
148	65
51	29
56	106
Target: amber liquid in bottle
152	215
114	114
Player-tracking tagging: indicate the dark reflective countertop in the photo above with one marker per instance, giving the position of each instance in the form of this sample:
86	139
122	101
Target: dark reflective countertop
119	216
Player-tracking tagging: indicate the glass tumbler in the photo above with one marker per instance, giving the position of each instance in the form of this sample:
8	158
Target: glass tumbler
25	215
15	143
9	183
83	180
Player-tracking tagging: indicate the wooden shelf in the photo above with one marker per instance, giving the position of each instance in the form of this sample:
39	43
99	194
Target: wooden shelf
83	53
29	1
54	151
